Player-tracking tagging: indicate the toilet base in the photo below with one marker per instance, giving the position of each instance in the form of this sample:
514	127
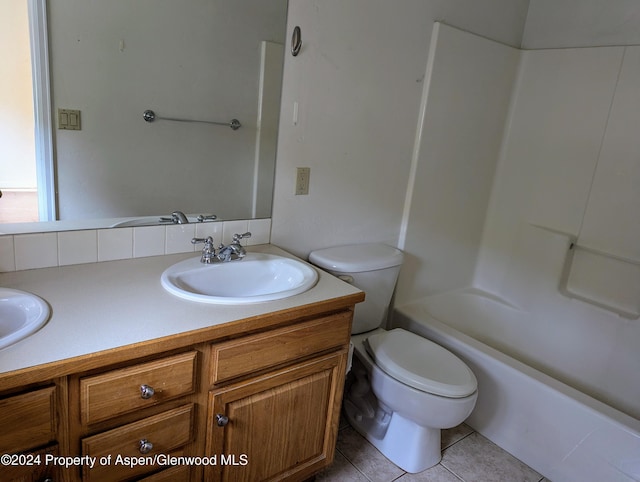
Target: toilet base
402	422
409	446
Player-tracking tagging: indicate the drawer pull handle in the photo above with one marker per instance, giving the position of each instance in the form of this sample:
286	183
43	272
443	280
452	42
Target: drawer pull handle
221	420
145	446
146	391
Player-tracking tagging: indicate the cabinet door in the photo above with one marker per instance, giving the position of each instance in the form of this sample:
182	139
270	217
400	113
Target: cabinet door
28	420
282	425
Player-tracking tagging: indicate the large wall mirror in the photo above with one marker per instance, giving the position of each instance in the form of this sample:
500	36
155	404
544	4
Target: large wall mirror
197	60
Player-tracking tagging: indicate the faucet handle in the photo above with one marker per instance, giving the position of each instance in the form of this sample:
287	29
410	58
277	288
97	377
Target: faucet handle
238	237
207	241
208	252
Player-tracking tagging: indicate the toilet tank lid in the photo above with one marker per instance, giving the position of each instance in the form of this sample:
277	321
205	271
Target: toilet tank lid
355	258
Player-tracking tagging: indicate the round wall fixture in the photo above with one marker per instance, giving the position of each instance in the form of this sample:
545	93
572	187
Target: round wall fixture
296	41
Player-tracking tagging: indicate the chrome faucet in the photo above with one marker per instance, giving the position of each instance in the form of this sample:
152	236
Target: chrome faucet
234	250
231	252
177	217
208	251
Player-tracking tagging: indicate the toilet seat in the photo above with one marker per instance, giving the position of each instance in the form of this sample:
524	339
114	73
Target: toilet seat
421	364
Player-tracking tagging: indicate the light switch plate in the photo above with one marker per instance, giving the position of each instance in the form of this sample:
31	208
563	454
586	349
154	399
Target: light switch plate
69	119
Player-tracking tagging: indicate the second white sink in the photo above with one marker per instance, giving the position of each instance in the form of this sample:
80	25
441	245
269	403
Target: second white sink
21	314
257	277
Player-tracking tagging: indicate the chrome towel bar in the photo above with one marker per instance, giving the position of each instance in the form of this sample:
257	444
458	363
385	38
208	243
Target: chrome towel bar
150	116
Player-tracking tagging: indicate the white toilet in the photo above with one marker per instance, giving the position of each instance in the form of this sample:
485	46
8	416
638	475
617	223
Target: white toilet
406	388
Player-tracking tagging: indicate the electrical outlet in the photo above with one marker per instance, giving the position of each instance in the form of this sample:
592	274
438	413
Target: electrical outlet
302	180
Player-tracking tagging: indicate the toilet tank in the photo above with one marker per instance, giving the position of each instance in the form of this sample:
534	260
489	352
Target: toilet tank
373	268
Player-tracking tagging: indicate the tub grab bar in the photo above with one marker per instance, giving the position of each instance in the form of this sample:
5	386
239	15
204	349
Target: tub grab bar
606	254
598	277
150	116
602	279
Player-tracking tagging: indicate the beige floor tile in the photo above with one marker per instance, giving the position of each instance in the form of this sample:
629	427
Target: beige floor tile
366	457
436	473
453	435
341	471
475	458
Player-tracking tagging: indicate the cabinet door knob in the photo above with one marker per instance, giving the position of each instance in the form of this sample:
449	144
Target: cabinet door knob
146	391
145	446
221	420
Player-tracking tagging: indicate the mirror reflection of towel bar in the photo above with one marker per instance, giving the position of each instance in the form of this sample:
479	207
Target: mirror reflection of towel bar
150	116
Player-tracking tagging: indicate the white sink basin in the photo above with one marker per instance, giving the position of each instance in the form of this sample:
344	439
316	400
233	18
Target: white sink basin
21	314
257	277
148	221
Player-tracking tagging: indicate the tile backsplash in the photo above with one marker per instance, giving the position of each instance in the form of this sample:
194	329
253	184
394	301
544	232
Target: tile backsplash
42	250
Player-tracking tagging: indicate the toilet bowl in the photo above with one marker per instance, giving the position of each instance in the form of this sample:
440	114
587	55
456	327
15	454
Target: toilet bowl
405	421
404	389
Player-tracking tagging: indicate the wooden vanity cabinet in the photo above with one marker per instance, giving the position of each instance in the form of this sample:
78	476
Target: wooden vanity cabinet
282	423
259	399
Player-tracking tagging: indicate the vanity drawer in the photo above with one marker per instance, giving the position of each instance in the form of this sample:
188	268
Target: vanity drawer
250	354
180	473
132	388
163	433
28	420
34	467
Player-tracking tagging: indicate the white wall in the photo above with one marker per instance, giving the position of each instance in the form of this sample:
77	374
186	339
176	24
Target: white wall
581	23
358	83
192	59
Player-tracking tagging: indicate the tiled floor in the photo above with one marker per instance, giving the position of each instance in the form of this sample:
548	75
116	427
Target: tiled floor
466	456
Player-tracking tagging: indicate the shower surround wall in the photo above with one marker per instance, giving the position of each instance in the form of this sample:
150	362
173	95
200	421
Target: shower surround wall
469	80
566	172
502	219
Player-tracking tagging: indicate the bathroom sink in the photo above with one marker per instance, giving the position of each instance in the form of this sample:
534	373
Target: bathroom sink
255	278
148	221
132	223
21	314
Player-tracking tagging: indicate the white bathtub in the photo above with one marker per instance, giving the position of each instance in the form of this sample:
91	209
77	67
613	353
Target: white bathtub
557	430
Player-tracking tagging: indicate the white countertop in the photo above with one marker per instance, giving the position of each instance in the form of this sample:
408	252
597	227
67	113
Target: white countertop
100	306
